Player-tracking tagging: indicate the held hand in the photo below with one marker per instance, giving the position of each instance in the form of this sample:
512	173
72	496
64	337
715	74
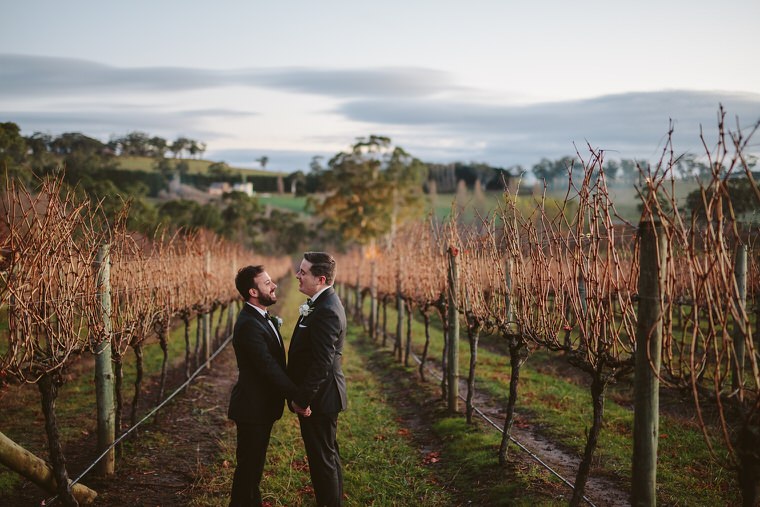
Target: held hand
303	412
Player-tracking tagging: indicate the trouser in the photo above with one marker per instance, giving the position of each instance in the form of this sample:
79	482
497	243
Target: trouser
251	453
319	437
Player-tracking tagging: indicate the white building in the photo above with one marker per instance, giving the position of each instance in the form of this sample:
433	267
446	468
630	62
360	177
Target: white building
246	188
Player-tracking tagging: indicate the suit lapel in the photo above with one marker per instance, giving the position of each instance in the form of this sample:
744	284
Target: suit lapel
264	321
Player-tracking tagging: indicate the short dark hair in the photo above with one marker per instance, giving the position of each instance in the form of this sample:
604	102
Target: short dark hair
322	264
244	279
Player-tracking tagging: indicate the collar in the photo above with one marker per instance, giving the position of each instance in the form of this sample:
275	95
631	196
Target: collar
315	296
262	312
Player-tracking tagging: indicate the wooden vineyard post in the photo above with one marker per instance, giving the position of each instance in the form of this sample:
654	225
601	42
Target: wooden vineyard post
207	319
648	346
453	335
740	273
373	300
37	470
399	314
104	377
508	276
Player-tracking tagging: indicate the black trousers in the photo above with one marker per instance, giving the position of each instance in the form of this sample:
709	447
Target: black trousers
251	453
319	437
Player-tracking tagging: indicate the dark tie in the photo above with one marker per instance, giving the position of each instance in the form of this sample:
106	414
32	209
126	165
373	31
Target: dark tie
269	318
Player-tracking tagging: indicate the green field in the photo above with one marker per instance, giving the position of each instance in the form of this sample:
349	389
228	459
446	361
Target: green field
286	202
196	166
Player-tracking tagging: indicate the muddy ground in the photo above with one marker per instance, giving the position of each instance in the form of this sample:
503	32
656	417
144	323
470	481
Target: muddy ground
159	464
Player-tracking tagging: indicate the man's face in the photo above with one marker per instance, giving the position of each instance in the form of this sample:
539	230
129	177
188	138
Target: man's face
307	283
265	289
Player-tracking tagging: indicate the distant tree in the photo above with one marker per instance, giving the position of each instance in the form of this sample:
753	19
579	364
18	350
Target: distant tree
295	179
219	169
137	144
316	163
263	161
285	232
158	146
194	148
687	166
629	171
444	176
552	170
370	190
238	210
164	166
313	181
143	216
177	213
39	145
208	217
738	193
71	142
612	170
13	149
178	146
182	167
191	216
13	146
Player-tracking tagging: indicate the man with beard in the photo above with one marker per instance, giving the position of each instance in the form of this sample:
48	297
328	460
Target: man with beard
258	398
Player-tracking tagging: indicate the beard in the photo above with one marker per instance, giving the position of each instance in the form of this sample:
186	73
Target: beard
266	298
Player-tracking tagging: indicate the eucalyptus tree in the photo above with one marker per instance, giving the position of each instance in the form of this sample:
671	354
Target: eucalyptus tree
370	190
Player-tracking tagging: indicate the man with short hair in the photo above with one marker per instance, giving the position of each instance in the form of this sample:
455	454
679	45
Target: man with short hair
258	398
314	364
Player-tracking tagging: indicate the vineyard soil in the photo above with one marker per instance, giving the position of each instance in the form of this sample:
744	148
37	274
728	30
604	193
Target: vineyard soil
160	464
602	491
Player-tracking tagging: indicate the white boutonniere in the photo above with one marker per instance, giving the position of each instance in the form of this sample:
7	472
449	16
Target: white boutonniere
305	309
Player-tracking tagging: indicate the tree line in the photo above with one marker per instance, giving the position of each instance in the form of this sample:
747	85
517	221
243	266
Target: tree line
354	195
91	169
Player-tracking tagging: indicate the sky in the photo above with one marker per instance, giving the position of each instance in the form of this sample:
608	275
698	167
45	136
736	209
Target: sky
500	82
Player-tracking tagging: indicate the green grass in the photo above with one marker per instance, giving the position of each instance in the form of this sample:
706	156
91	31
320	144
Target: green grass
563	410
286	202
467	457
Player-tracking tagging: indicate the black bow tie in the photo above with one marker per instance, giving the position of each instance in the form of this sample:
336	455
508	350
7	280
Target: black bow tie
273	319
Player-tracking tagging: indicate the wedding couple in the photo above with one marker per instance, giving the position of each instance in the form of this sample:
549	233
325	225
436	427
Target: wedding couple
313	383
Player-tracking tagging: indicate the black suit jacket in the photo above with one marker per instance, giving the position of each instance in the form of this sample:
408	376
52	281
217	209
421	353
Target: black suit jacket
315	355
262	386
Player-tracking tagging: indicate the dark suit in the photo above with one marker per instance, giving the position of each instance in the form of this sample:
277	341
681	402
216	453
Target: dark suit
314	364
257	399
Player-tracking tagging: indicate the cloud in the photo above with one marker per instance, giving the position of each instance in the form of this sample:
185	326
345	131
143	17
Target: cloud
632	124
421	109
30	76
103	123
376	82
